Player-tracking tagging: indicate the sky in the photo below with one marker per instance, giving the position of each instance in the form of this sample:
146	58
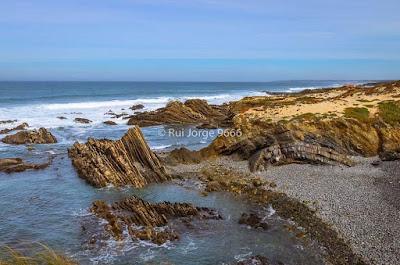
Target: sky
199	40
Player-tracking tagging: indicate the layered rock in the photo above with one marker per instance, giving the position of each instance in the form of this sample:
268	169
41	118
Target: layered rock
22	126
41	136
143	220
10	165
194	111
128	161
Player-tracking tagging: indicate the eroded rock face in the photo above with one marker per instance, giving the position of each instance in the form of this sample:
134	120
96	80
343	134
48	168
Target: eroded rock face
194	111
41	136
144	220
22	126
128	161
10	165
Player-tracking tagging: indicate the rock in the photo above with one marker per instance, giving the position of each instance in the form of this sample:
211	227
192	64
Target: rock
253	220
255	260
207	126
7	121
128	161
136	107
10	165
41	136
297	151
190	112
142	218
183	156
110	123
389	155
82	120
61	118
22	126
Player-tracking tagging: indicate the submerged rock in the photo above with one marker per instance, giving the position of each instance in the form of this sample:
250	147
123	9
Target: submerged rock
41	136
144	220
82	120
22	126
193	111
128	161
110	123
253	220
255	260
10	165
136	107
61	118
7	121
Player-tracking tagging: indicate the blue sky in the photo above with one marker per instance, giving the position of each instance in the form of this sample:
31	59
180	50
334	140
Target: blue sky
199	40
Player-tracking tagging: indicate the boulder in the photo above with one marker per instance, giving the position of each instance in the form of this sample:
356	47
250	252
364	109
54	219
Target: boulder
10	165
82	120
110	123
389	155
128	161
253	220
41	136
136	107
22	126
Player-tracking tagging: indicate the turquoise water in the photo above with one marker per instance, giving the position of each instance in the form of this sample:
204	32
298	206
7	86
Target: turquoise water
51	205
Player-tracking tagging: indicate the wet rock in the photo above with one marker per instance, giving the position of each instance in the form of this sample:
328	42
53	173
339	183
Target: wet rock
136	107
128	161
255	260
110	123
82	120
22	126
253	220
10	165
61	118
190	112
144	220
7	121
41	136
207	126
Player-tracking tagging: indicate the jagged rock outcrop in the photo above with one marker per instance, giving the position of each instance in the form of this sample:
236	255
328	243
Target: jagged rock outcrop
41	136
143	220
10	165
193	111
128	161
22	126
82	120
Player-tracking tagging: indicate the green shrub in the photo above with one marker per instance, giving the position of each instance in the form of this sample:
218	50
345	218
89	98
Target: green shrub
361	114
389	111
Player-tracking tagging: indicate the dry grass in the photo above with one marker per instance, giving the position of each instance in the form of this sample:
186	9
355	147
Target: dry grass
45	256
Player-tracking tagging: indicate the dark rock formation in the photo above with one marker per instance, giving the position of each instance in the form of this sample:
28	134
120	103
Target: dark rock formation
142	218
22	126
41	136
110	123
128	161
7	121
82	120
191	112
9	165
253	220
256	260
61	118
136	107
389	155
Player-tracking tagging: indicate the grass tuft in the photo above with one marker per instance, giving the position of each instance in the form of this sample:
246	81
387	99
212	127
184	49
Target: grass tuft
361	114
389	111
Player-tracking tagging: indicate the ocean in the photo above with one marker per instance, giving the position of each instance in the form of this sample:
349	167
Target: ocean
51	205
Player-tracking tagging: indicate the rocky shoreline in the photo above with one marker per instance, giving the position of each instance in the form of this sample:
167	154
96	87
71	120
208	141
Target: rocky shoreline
306	154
